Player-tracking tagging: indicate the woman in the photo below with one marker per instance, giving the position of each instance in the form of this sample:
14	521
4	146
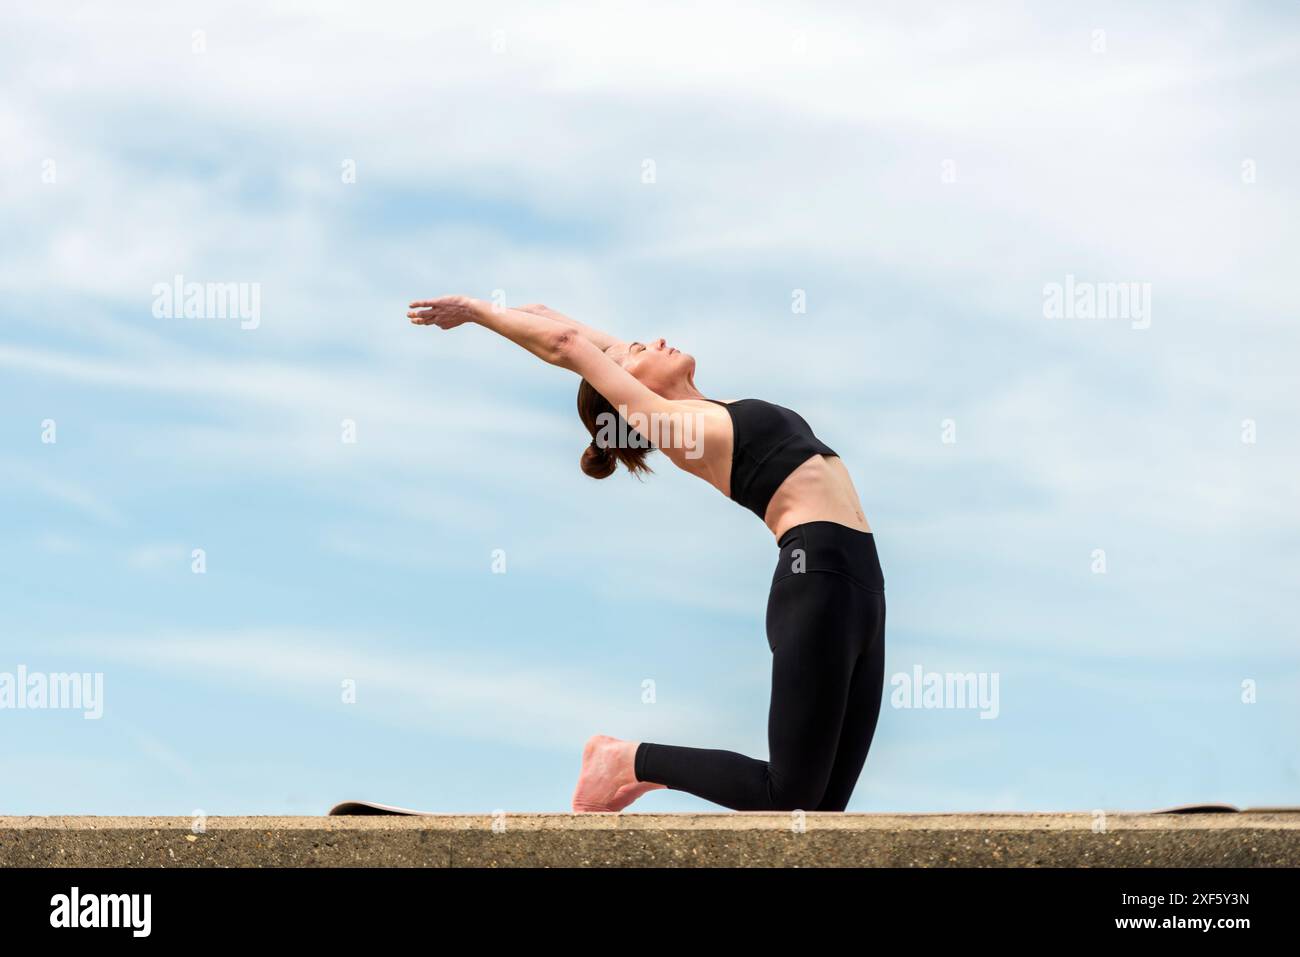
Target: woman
826	608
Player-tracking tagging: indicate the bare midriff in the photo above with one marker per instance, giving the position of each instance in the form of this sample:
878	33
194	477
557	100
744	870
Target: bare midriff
819	490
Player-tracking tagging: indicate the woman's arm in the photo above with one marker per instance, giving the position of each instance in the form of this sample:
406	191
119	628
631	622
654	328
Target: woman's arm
558	343
527	324
602	340
538	335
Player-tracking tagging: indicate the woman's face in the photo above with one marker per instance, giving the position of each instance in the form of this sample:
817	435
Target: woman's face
656	365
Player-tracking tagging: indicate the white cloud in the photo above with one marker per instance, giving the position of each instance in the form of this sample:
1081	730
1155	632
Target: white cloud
470	695
47	481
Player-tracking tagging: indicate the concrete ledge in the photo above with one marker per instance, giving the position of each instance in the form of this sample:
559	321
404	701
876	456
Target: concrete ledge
1250	839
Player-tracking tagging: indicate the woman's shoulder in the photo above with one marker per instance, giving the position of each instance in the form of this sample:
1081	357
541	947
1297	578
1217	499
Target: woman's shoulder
698	439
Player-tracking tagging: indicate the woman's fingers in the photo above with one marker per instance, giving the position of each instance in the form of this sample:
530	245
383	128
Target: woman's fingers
430	317
445	313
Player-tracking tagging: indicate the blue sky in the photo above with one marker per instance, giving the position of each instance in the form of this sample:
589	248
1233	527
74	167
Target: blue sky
920	171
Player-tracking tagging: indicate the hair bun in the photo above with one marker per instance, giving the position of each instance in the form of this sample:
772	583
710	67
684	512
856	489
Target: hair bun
598	462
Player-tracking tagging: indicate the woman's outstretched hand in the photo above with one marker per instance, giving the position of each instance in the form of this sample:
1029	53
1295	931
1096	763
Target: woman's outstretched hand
445	313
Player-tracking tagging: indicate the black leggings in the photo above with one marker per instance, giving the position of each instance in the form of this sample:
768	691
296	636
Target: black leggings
826	629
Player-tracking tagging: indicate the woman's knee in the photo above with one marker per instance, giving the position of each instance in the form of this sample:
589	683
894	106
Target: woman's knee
797	794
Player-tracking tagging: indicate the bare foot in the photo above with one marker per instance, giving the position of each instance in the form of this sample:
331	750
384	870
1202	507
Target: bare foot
607	782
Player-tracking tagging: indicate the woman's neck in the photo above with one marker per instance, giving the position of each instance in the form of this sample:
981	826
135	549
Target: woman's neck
683	390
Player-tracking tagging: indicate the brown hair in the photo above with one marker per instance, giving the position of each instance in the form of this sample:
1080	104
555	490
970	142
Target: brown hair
599	461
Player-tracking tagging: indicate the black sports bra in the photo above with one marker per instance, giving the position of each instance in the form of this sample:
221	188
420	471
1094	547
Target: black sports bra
768	443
